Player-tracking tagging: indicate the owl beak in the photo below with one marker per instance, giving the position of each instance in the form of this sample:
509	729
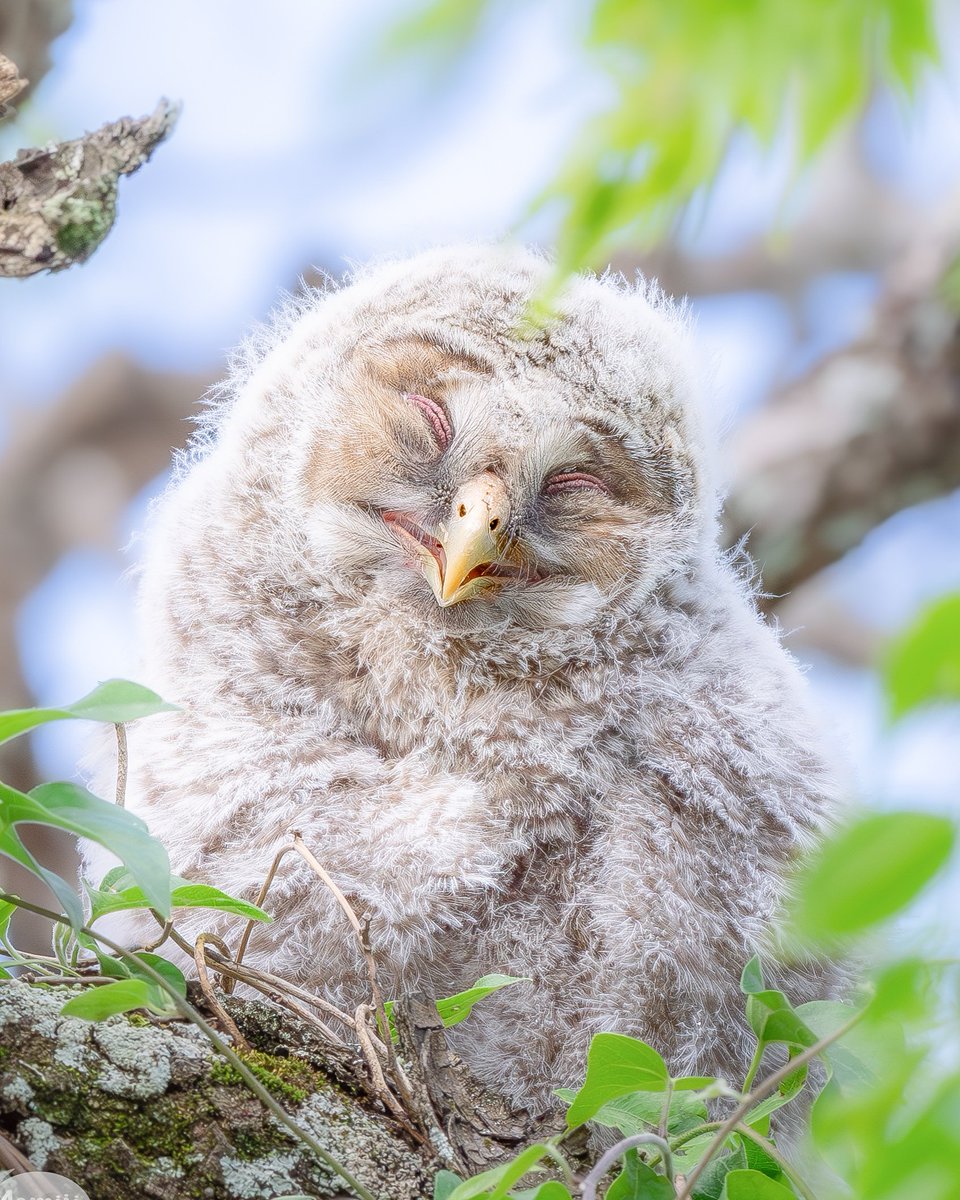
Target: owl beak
472	540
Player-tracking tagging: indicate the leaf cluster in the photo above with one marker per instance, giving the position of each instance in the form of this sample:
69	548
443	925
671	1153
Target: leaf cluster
683	79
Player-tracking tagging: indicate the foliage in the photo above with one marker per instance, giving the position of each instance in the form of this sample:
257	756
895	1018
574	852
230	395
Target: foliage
734	1155
684	78
872	870
923	664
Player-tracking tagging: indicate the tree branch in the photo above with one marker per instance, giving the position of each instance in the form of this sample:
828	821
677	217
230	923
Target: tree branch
58	204
873	428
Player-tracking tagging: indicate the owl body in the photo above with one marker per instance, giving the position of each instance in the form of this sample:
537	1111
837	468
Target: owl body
593	771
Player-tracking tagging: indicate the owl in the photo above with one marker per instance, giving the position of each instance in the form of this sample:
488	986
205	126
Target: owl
440	589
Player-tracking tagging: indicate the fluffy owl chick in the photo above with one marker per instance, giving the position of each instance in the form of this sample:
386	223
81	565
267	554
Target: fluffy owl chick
443	593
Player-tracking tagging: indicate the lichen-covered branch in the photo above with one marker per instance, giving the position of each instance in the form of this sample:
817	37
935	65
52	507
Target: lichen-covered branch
126	1107
11	85
57	204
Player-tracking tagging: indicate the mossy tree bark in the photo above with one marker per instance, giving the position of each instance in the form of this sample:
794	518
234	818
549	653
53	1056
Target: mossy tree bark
131	1107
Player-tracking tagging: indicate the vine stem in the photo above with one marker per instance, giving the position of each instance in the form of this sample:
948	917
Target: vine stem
770	1084
754	1066
187	1011
122	760
773	1152
588	1189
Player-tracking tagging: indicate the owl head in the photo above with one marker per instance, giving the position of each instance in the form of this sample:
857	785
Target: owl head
443	457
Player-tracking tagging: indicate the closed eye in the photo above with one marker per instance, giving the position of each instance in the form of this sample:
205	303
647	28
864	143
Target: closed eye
574	481
436	416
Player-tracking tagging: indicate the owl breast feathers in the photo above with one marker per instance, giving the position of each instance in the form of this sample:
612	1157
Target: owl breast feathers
440	589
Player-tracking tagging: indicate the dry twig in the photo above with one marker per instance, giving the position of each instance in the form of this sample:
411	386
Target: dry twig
362	929
200	959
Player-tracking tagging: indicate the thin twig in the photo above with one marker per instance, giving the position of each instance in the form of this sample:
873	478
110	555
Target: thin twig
588	1188
269	985
247	974
164	934
261	896
200	959
782	1162
67	980
373	1062
362	930
122	761
190	1013
770	1084
663	1127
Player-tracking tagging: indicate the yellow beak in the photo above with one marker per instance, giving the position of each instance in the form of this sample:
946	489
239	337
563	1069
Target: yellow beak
472	539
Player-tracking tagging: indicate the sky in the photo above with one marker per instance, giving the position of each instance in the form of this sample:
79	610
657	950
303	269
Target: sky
297	147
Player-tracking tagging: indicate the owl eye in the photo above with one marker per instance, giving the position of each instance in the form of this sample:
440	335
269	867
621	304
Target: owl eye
574	481
437	417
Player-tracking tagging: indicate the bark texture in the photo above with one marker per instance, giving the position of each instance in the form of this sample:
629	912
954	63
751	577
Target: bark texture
127	1108
58	204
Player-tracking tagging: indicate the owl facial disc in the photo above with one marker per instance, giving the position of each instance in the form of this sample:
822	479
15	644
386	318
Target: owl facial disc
471	550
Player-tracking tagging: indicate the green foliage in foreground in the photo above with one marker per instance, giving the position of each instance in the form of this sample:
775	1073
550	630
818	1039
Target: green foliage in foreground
684	77
923	664
883	1126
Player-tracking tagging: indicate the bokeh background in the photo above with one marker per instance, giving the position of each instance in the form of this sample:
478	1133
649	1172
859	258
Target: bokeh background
301	149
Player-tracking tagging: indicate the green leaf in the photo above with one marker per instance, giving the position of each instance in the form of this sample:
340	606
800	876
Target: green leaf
758	1159
637	1181
770	1013
774	1019
711	1185
639	1112
751	978
170	972
753	1185
551	1190
903	991
788	1089
870	871
454	1009
98	1003
183	895
116	701
444	1184
11	847
616	1065
71	807
134	988
923	664
495	1184
863	1053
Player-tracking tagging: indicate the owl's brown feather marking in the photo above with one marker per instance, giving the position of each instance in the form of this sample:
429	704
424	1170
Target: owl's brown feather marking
597	781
